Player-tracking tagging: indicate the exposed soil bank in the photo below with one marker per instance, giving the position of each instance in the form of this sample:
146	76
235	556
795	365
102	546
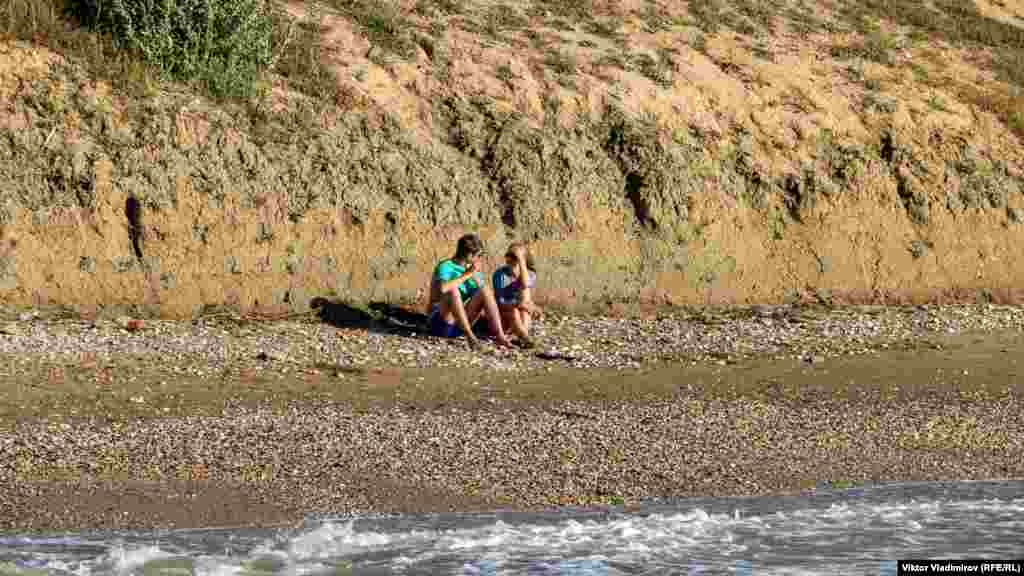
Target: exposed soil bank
712	174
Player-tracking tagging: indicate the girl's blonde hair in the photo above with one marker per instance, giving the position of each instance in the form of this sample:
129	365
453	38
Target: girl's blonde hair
530	264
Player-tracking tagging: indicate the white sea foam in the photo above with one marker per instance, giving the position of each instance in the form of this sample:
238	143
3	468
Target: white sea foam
789	540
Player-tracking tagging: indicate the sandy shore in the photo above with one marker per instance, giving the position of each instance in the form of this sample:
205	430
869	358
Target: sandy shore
219	423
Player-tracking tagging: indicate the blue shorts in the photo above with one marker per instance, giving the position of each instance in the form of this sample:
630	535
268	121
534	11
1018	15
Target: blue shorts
438	327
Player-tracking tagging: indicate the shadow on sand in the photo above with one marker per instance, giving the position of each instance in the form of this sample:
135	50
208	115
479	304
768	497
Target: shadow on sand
376	317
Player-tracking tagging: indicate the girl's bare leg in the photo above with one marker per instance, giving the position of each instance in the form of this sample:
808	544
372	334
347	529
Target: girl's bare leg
484	301
454	312
517	321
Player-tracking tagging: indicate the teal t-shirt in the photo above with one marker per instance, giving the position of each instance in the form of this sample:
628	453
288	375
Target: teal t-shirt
449	270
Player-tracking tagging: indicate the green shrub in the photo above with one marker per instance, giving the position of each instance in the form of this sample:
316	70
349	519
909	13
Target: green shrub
221	44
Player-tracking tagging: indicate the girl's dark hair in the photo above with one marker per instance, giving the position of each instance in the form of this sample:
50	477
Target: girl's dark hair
469	245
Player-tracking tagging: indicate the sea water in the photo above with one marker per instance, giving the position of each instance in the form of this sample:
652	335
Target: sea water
855	531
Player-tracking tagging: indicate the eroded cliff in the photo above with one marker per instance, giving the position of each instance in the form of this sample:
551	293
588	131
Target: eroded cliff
700	153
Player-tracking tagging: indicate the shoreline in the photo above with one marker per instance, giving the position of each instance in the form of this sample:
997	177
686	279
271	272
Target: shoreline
758	404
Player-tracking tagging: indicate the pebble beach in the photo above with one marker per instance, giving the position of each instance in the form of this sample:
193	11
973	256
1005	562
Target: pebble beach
214	345
228	421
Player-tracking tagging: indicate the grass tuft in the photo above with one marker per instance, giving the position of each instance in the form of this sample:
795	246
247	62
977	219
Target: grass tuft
572	9
876	47
660	70
428	8
605	28
656	19
300	60
382	22
503	18
504	73
562	63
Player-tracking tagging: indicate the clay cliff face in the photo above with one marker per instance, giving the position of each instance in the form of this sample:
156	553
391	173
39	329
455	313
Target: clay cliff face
699	171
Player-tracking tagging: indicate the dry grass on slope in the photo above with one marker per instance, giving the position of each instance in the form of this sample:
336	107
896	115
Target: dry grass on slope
564	57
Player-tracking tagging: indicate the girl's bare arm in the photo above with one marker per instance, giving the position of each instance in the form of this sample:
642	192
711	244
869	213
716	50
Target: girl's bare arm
456	282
